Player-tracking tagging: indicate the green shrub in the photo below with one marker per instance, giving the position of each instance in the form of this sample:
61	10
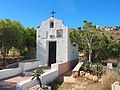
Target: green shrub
118	70
94	69
87	67
97	70
36	75
55	84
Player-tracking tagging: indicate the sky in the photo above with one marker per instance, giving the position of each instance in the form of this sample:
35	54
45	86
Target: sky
32	12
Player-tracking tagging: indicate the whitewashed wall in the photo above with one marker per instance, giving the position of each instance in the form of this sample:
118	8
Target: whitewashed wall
49	76
9	72
72	51
23	66
41	51
45	78
26	84
62	44
28	65
56	70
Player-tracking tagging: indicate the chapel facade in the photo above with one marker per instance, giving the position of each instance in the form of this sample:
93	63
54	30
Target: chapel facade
53	43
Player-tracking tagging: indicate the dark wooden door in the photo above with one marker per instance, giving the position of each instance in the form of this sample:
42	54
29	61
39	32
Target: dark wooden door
52	53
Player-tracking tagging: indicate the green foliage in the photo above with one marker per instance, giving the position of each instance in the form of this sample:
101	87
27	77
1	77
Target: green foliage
98	70
100	49
94	43
13	34
10	35
36	75
38	72
79	28
86	38
94	69
117	70
30	41
30	37
114	48
87	67
55	84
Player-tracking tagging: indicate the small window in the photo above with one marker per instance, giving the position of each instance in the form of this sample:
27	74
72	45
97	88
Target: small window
52	24
52	36
59	33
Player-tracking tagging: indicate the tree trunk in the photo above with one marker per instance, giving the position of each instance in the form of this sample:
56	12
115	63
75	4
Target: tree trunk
4	52
40	83
90	51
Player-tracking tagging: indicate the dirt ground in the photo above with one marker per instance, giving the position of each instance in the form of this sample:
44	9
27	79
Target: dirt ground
81	84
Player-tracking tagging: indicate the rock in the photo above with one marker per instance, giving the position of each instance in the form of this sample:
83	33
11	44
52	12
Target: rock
95	78
87	75
75	75
82	73
100	80
91	77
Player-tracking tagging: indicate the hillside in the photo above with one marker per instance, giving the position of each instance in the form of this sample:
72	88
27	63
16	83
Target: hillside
114	34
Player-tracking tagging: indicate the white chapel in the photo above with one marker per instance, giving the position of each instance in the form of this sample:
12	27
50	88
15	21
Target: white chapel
53	43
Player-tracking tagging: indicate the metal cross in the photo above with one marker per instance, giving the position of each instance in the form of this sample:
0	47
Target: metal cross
53	12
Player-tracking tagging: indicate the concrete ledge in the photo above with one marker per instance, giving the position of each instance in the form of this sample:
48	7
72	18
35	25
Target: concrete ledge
77	67
5	73
116	86
28	65
76	70
45	78
56	70
49	76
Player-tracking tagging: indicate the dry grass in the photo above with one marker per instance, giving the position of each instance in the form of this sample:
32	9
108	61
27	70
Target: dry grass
80	84
114	62
115	36
84	84
108	80
66	86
